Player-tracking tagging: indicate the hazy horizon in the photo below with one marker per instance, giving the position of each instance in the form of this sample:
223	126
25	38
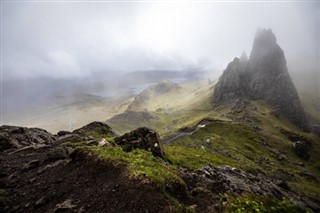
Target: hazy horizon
49	46
76	39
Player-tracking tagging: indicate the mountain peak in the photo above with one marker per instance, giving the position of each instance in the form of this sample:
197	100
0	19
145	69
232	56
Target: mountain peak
265	41
264	77
243	57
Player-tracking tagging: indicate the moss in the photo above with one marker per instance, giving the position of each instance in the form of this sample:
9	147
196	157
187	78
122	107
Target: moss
2	194
73	144
99	135
195	158
310	189
264	204
141	163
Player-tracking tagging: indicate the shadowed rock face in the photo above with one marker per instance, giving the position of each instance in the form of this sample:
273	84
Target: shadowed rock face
12	137
141	138
263	77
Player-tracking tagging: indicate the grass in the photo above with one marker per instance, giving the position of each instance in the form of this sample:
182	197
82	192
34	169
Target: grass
194	158
310	189
253	204
227	141
99	135
176	109
141	163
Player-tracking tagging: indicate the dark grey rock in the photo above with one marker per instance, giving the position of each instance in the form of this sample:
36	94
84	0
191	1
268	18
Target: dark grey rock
233	181
66	206
40	202
141	138
5	141
63	133
95	127
263	77
31	165
301	148
17	137
59	153
309	176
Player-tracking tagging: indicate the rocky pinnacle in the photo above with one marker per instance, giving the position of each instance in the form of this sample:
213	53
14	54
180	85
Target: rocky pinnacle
263	77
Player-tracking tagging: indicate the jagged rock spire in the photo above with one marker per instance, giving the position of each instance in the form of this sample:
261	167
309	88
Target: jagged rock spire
264	77
243	57
265	41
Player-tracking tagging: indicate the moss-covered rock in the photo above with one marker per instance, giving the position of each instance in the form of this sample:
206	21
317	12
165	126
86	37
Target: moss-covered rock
141	138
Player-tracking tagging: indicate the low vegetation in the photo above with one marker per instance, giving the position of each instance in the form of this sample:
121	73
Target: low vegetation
264	205
140	163
194	158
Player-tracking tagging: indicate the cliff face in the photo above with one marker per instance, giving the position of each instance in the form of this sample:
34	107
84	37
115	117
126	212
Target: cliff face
263	77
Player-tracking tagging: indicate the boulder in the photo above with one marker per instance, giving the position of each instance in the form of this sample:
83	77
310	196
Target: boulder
58	153
95	127
301	148
5	141
63	133
18	137
141	138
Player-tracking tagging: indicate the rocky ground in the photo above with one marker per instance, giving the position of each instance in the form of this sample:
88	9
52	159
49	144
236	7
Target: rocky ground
40	173
42	176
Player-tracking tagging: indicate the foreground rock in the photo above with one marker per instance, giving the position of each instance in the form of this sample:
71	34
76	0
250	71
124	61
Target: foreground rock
12	137
301	148
80	183
233	181
141	138
53	176
263	77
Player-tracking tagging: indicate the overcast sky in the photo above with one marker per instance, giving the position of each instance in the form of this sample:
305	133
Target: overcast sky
63	40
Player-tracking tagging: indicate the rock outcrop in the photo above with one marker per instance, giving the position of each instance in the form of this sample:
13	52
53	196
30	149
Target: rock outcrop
233	181
301	148
18	137
263	77
96	127
141	138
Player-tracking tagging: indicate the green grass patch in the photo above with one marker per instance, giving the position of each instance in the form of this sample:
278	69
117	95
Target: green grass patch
98	135
264	205
141	163
224	143
311	189
195	158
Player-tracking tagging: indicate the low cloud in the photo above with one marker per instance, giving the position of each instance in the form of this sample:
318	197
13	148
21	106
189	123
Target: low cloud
75	39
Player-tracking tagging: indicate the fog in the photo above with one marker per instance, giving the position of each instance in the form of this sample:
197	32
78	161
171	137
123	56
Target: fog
69	39
76	41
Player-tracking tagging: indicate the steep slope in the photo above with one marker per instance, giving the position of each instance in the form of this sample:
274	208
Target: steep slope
263	77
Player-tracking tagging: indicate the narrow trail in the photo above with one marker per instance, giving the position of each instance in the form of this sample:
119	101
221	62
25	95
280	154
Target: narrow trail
191	130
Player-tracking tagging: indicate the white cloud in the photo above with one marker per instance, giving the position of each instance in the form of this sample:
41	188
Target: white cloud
74	39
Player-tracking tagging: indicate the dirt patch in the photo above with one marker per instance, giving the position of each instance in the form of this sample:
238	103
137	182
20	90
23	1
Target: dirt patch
82	183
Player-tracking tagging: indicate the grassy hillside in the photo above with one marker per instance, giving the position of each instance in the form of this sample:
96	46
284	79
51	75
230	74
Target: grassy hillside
168	111
246	135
